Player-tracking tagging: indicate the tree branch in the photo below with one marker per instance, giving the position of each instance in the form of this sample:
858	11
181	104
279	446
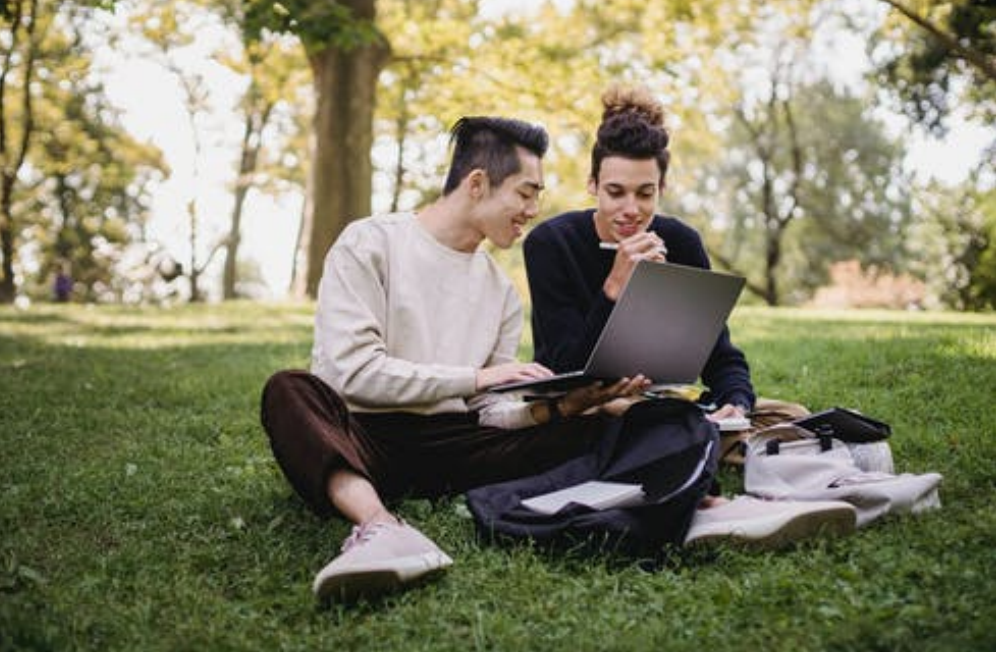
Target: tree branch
29	115
793	193
729	265
985	64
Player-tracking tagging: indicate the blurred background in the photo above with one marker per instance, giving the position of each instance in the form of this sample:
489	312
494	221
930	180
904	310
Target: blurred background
837	153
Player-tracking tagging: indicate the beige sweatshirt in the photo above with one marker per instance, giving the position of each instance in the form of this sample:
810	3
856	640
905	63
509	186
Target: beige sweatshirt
404	322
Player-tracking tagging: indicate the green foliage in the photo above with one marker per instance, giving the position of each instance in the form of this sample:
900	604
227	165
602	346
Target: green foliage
933	71
955	235
82	195
807	179
548	62
319	25
982	287
142	509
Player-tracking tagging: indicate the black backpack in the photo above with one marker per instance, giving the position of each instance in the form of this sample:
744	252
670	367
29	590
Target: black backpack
665	445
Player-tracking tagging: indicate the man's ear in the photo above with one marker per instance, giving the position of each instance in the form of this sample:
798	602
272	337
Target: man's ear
477	183
592	186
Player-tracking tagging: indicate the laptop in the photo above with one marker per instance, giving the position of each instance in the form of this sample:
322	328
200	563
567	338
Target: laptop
664	325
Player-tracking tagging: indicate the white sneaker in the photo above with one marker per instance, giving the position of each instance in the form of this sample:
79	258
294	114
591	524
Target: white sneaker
377	558
769	523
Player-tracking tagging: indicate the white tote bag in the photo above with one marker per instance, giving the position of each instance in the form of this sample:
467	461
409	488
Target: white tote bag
789	463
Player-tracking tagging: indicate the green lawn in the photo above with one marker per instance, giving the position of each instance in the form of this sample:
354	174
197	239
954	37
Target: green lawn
140	508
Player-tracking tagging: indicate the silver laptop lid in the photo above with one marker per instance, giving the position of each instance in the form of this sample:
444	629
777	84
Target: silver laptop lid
665	324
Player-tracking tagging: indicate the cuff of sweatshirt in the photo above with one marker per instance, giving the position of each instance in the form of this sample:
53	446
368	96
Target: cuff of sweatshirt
603	304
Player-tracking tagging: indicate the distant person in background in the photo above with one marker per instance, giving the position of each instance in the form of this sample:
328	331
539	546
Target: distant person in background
414	323
63	286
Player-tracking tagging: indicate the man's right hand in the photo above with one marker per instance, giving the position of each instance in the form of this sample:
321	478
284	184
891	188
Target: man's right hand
645	245
510	372
583	399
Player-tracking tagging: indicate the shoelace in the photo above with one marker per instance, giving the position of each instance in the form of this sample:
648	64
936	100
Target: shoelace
361	534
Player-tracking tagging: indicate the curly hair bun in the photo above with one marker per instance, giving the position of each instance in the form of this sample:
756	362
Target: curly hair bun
620	100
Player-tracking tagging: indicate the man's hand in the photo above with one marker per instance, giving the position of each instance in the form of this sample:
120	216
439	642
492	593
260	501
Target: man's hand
510	372
618	406
583	399
728	411
645	245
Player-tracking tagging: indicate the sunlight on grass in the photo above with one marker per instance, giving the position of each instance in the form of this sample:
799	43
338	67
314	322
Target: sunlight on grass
141	507
150	328
909	317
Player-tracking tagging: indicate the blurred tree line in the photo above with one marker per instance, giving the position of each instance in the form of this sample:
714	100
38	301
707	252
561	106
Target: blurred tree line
785	168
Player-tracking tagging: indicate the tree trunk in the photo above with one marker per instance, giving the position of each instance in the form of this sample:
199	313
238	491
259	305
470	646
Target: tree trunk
773	256
298	279
346	87
195	273
257	116
230	276
7	288
12	158
247	165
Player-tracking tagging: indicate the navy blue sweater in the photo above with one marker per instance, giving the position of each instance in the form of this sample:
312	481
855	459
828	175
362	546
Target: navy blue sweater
566	270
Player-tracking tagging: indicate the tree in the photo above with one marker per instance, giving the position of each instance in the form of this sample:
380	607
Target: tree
548	65
169	30
345	52
72	181
956	244
270	109
272	69
21	54
87	187
938	52
417	95
806	172
938	57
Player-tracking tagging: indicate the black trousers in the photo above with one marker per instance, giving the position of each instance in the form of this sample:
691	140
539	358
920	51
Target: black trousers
313	433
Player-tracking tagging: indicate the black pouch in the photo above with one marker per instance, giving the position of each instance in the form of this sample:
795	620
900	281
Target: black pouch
846	425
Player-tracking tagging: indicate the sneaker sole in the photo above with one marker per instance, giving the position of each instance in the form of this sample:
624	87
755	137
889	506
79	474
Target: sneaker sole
371	582
778	533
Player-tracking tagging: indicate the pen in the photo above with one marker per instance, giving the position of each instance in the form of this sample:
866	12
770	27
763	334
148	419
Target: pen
613	246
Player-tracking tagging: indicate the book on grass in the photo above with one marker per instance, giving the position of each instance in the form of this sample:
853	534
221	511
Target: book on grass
595	494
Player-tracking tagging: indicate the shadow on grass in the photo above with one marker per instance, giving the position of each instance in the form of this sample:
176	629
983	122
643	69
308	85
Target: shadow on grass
139	492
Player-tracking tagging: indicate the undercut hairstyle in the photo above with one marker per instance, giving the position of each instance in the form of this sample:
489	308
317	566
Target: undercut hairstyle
632	127
489	144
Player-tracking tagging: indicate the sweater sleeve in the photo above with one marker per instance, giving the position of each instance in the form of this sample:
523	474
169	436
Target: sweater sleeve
566	321
496	410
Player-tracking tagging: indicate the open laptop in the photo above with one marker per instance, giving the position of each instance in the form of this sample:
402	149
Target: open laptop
664	325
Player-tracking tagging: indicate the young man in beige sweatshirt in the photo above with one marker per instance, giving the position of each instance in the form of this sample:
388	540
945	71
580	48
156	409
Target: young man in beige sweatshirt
415	321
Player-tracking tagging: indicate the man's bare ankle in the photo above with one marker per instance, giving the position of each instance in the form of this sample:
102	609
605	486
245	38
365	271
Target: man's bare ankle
383	516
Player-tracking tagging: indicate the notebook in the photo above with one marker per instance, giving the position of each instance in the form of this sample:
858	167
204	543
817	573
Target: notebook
664	325
594	494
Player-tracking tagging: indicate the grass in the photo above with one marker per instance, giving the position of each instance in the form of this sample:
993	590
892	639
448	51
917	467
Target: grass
140	508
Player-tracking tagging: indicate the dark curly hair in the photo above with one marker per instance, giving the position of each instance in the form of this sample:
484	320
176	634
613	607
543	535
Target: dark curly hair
632	127
489	143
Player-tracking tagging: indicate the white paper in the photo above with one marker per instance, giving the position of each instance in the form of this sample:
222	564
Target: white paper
733	424
595	494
